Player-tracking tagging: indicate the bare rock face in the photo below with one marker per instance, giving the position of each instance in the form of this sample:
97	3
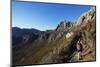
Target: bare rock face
87	16
64	25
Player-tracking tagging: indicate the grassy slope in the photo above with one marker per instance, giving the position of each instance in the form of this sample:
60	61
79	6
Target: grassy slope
60	50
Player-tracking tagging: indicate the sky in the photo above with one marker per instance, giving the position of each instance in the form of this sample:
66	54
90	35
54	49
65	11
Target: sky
44	16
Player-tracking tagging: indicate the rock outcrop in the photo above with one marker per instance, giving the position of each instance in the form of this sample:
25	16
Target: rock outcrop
64	25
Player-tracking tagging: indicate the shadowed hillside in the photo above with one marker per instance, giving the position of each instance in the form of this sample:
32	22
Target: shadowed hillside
31	46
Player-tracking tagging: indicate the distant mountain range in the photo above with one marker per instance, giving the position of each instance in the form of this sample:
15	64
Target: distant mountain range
32	46
20	35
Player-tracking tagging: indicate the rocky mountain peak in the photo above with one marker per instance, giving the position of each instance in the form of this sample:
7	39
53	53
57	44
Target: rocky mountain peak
64	25
89	15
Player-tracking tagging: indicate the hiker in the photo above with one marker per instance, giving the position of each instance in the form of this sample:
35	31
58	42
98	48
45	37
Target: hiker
78	49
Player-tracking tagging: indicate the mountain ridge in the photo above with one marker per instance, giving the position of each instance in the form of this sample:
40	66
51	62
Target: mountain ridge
56	46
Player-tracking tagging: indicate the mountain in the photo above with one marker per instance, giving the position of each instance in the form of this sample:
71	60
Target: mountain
23	35
31	46
64	25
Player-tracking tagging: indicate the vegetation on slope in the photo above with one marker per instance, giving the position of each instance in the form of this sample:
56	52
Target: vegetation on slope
57	48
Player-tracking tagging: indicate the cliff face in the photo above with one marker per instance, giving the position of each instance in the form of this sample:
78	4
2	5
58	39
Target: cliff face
57	46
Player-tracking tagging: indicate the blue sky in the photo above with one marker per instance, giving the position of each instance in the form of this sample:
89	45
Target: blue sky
43	16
